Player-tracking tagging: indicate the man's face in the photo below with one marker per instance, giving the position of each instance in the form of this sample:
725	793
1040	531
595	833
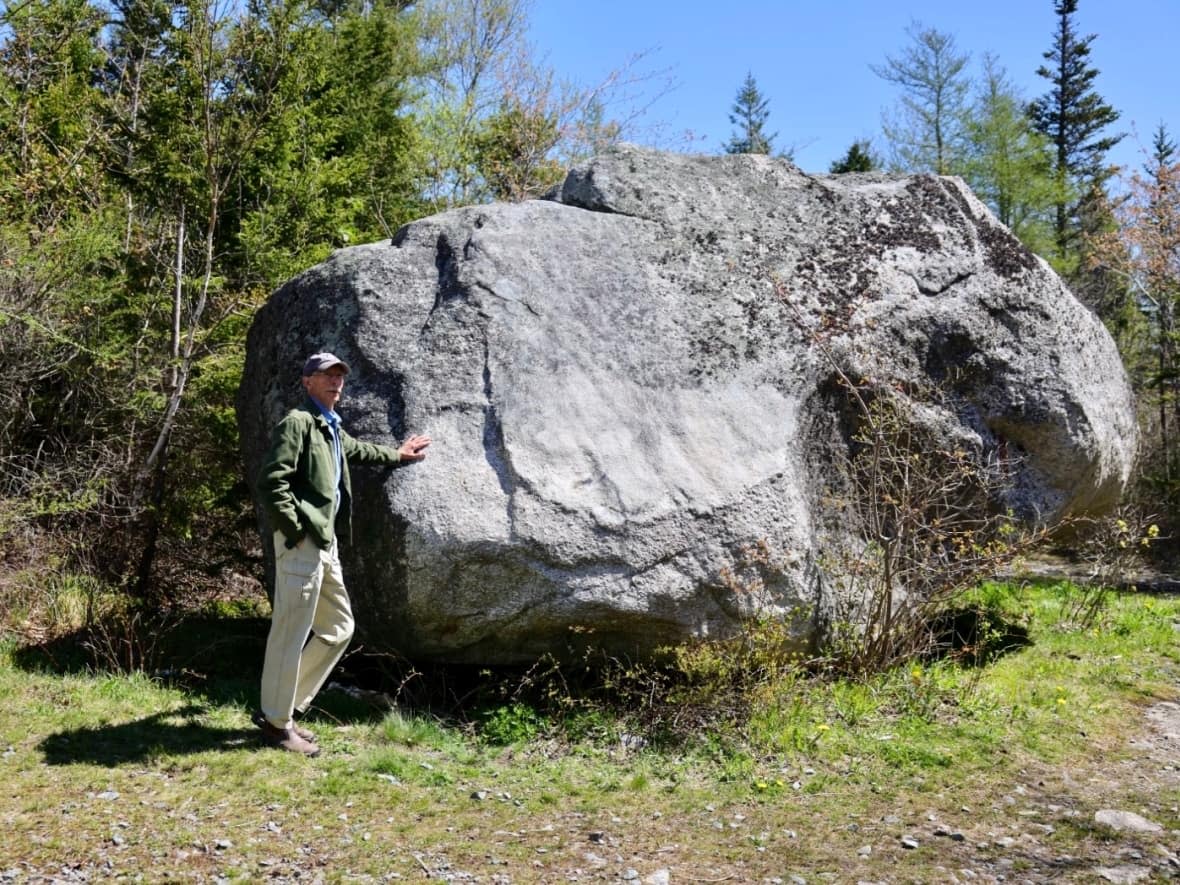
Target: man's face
325	387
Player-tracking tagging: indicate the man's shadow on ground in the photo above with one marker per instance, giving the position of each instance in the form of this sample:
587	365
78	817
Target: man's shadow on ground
214	660
170	732
216	663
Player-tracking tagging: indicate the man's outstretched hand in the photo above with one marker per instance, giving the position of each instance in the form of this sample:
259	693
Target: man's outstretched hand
414	448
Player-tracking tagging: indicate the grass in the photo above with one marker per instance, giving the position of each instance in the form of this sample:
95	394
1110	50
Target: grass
110	775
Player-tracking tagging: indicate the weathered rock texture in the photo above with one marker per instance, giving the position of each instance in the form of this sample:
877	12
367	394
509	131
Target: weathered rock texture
621	401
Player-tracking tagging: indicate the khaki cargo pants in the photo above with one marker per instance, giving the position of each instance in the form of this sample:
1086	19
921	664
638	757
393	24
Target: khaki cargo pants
310	627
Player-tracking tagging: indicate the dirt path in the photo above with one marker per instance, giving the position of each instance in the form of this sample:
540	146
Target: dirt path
1138	774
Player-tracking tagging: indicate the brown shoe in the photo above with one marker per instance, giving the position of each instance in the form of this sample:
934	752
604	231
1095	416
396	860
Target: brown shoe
287	739
259	719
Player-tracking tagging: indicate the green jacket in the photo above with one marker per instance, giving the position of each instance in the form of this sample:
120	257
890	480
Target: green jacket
297	482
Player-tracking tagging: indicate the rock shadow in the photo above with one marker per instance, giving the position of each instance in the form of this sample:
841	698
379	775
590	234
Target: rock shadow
975	636
218	659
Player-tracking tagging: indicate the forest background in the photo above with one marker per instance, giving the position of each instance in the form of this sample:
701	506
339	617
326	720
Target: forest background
165	165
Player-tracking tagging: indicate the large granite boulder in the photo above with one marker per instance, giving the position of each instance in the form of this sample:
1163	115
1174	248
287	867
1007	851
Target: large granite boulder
625	393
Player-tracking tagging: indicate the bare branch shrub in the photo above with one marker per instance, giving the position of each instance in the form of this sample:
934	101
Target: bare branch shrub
921	513
128	638
1111	549
923	510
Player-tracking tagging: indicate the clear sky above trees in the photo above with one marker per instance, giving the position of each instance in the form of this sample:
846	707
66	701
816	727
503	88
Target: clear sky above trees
812	61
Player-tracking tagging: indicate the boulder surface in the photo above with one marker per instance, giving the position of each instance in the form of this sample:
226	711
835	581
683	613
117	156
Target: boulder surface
630	388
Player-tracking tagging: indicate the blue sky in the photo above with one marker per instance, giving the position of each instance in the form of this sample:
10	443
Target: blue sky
811	60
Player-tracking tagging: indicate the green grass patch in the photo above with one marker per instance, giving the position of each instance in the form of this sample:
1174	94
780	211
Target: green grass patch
162	776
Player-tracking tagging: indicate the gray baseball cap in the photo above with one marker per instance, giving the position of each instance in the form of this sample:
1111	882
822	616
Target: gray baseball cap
321	362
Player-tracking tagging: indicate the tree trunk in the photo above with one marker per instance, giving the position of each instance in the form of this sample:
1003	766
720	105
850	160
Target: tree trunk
153	476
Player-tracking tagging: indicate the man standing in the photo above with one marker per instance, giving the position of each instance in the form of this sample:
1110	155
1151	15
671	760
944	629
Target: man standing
305	489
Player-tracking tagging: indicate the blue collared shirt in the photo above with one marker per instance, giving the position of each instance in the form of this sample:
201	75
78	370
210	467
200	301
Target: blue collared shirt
334	422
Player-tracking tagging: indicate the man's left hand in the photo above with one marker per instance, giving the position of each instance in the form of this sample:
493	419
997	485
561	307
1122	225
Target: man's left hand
414	448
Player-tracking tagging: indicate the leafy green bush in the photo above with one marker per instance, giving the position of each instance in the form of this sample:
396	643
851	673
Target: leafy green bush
513	723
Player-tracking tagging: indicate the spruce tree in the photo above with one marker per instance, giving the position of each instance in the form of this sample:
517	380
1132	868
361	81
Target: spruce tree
1163	152
750	112
1073	116
858	158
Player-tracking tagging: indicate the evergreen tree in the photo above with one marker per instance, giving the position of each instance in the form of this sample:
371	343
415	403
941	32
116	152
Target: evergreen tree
338	161
1073	116
51	140
164	164
927	133
58	259
1163	153
750	112
858	158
